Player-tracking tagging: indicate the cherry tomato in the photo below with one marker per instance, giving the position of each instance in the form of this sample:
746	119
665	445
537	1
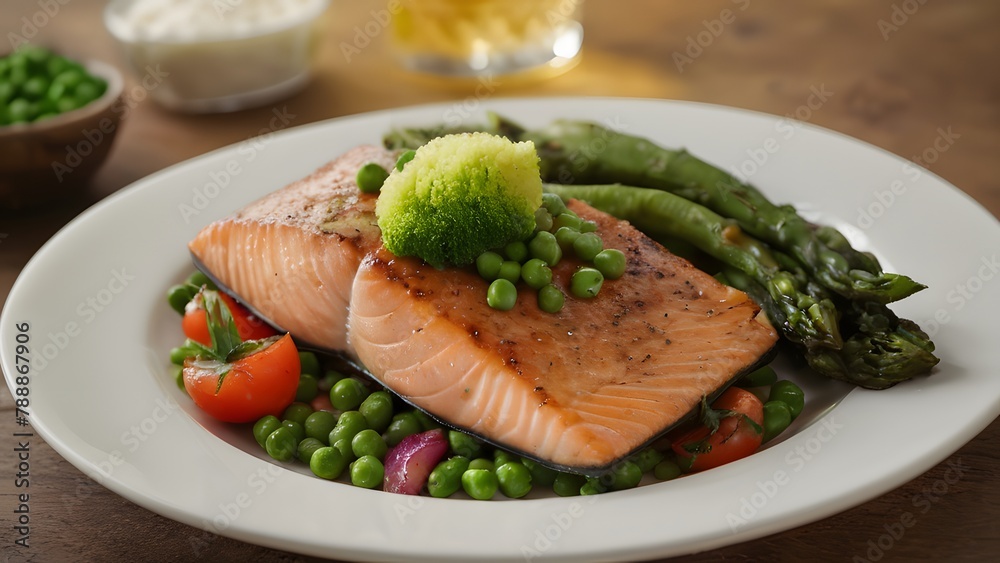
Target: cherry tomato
260	384
250	327
735	439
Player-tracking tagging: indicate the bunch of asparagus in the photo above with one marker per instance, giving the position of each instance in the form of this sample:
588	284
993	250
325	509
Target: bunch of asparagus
826	297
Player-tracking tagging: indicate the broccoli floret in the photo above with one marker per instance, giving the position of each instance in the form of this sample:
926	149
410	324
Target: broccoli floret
460	196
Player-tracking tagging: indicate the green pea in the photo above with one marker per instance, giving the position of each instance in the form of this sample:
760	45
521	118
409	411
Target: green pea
330	378
6	92
307	447
777	417
544	247
566	236
488	265
308	388
482	463
344	447
377	410
368	442
319	425
199	279
588	227
790	394
69	78
34	88
64	105
367	472
19	110
540	475
553	204
666	470
479	484
349	424
514	479
348	394
593	486
567	219
501	457
295	428
586	246
178	355
446	478
464	444
426	422
403	424
647	459
543	219
501	295
298	412
281	444
586	283
178	296
626	475
327	463
404	158
263	428
56	65
309	363
87	91
370	178
516	251
551	299
759	378
536	273
611	263
568	484
510	271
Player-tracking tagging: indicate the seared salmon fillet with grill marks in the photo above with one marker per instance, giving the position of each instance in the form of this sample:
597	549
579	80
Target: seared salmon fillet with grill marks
579	389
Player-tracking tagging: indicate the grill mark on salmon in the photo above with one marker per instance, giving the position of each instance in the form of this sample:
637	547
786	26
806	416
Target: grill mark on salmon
579	389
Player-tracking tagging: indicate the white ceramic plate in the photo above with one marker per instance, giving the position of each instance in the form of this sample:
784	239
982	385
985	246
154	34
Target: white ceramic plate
99	332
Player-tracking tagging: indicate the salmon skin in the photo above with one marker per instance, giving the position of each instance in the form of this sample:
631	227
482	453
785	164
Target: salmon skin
578	390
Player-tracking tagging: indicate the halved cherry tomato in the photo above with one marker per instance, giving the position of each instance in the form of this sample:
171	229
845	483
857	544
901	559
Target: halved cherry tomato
250	327
736	438
253	386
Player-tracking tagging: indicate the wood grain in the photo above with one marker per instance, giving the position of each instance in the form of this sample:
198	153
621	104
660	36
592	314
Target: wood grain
896	91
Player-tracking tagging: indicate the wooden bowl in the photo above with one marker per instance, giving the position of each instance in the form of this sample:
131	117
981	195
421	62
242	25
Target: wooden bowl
43	161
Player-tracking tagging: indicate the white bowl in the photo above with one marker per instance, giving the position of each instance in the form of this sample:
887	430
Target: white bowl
220	68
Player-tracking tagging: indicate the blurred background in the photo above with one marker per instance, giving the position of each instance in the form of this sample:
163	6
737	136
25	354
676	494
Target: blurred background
899	74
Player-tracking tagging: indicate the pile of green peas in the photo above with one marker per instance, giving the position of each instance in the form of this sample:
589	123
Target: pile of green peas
558	230
350	442
36	84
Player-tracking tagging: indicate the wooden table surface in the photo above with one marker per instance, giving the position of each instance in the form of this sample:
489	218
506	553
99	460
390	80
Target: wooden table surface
899	72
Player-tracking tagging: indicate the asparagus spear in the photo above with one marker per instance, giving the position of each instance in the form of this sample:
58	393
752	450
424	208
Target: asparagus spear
804	319
576	152
881	350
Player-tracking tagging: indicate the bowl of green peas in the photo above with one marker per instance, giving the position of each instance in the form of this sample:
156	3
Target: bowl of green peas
58	119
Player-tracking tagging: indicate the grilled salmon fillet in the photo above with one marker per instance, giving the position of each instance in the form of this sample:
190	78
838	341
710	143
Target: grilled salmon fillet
579	389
